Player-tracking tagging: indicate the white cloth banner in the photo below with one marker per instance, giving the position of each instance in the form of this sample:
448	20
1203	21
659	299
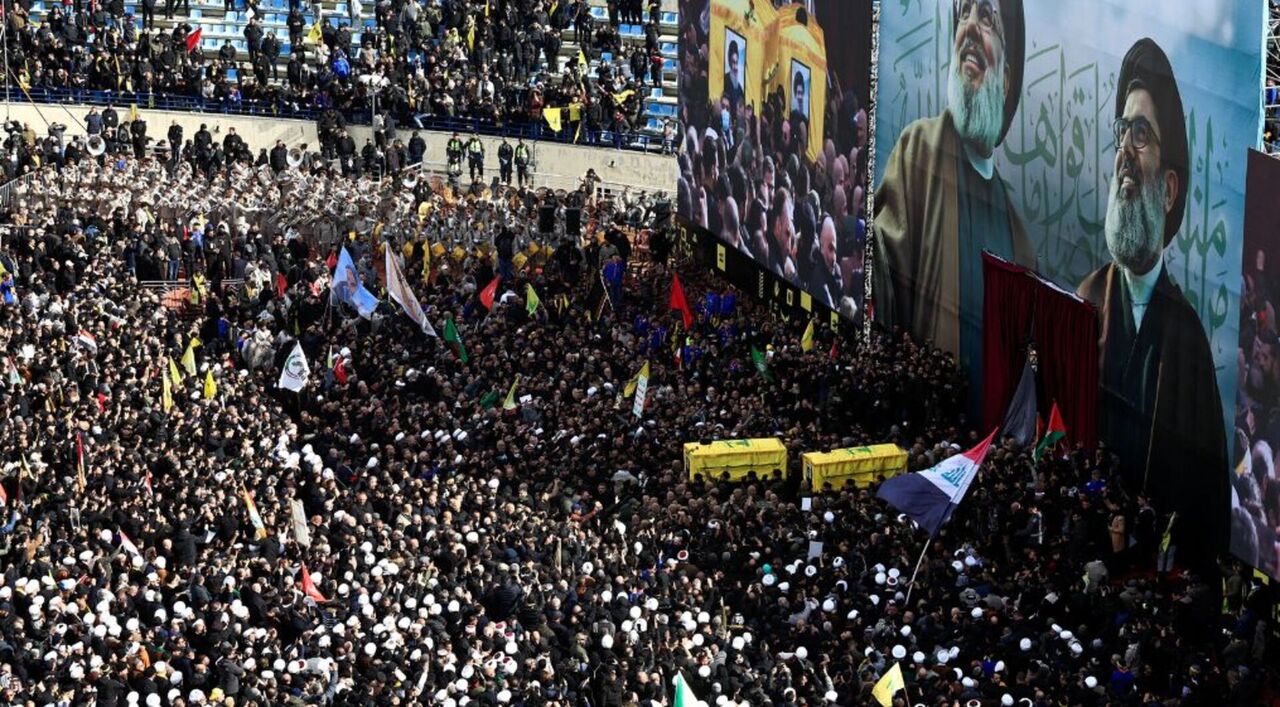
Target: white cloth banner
400	292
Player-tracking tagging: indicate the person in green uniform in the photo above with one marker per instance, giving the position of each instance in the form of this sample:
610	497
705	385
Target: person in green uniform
1159	408
453	152
942	202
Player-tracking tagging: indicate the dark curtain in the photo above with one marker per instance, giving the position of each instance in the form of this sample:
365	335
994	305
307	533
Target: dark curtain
1066	336
1009	294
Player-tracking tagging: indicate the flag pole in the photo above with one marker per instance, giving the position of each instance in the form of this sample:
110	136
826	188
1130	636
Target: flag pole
911	583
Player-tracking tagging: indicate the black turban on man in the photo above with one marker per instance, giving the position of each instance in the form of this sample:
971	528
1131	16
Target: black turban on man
1013	30
1147	67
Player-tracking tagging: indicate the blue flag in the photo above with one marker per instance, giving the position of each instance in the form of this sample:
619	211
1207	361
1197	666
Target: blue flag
348	289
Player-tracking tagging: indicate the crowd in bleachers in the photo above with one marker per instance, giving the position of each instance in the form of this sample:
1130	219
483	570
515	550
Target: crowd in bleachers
499	62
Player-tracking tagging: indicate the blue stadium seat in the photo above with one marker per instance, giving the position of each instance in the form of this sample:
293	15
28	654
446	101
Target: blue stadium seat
669	18
232	74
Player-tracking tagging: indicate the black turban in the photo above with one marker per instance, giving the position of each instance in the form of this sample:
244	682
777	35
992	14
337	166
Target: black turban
1147	67
1014	33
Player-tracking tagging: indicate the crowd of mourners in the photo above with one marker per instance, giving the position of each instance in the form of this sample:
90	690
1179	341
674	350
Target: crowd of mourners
422	526
495	61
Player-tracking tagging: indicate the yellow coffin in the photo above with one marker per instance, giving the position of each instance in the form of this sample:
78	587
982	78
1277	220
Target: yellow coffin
857	465
737	457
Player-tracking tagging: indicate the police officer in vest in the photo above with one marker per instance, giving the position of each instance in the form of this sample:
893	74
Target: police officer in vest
453	152
475	157
522	162
505	153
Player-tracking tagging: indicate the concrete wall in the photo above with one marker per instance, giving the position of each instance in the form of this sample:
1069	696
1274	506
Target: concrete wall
555	165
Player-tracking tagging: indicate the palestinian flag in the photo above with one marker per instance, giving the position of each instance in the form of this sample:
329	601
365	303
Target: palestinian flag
1057	431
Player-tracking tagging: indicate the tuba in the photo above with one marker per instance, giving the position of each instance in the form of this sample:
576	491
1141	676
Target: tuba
294	158
96	146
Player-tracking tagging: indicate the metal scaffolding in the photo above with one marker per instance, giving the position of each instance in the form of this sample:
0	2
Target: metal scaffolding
1271	93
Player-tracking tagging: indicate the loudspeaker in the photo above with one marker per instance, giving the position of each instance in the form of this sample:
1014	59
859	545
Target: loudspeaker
573	221
546	219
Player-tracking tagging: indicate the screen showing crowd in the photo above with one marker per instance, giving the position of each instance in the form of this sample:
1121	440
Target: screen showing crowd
774	152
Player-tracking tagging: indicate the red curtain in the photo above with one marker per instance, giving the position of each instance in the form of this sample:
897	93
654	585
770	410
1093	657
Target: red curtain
1008	301
1066	336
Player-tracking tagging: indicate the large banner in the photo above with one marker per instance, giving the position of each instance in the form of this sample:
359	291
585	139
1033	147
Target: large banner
1102	143
1255	482
774	100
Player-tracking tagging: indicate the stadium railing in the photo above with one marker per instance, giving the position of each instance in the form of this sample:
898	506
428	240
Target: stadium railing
196	104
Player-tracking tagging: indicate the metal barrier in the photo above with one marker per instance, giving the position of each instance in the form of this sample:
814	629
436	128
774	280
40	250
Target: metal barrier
529	130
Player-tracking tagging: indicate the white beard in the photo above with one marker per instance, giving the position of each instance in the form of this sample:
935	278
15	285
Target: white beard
1135	229
978	113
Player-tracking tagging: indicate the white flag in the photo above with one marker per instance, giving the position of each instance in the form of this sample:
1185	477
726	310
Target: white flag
642	390
299	517
400	292
296	371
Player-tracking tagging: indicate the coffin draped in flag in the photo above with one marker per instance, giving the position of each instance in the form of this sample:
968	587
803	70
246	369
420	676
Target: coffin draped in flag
928	497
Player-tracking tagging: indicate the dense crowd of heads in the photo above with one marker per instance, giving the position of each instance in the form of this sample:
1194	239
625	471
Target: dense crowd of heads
496	61
551	552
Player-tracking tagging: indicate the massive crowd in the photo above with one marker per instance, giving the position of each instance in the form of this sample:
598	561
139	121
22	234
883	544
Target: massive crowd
411	539
496	61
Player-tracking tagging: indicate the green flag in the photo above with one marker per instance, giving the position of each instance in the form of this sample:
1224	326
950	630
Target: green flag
451	337
490	399
762	365
684	693
531	300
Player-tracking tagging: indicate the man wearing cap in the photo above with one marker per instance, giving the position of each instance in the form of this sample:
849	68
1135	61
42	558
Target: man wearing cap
1159	404
941	202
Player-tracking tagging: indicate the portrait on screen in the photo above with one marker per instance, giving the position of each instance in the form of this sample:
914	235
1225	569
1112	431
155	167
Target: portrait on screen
735	69
800	89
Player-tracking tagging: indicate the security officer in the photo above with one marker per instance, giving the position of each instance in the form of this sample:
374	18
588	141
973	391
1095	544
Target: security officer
475	157
505	152
453	152
522	162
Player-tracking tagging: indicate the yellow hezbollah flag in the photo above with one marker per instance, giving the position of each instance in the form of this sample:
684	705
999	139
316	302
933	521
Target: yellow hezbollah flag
133	112
471	37
189	356
553	117
174	374
582	58
531	300
806	341
166	392
510	402
314	34
631	384
621	98
890	683
210	388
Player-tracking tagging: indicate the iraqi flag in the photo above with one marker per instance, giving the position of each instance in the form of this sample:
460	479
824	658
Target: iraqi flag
88	341
128	545
928	497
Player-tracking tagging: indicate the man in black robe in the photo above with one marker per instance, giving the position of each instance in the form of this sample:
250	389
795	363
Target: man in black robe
1159	403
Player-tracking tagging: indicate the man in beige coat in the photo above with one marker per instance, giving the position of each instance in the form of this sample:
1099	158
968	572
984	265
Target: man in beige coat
941	202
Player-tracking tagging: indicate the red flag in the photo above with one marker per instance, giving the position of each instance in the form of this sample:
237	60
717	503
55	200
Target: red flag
1055	421
340	371
488	293
678	301
281	284
309	587
193	40
834	351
